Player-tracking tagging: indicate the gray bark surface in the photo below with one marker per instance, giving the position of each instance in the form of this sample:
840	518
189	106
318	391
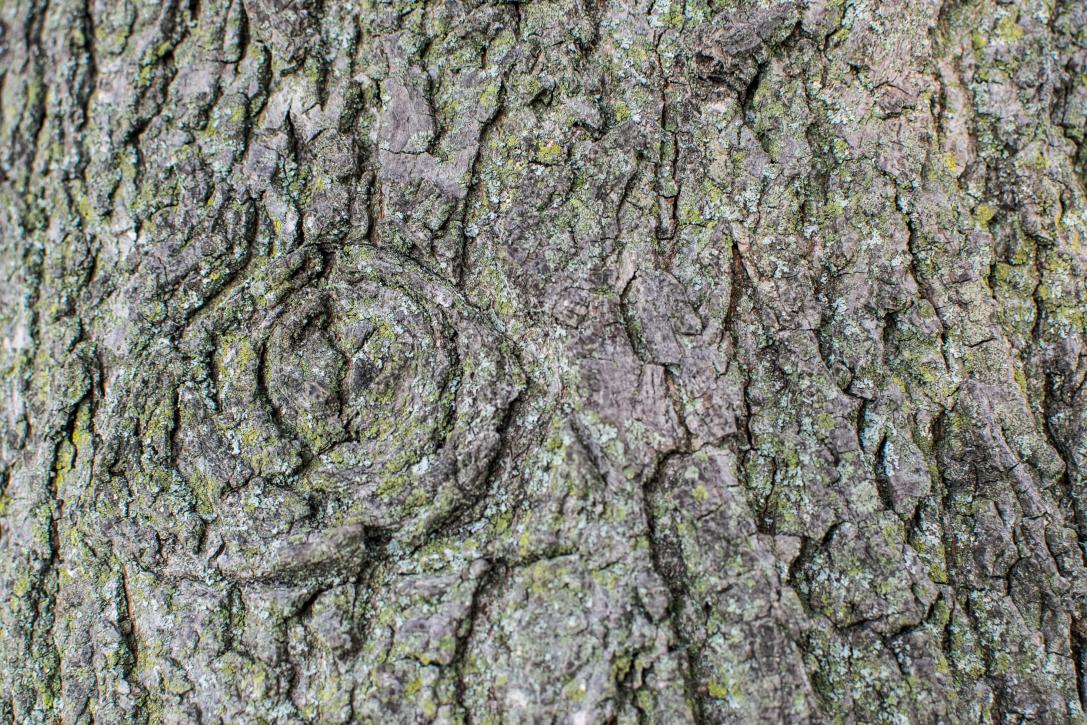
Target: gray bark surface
583	361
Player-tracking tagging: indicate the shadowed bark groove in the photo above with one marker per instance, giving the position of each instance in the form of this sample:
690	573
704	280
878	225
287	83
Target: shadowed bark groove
566	360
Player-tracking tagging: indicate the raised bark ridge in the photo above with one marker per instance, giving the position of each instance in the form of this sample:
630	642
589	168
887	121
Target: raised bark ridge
527	361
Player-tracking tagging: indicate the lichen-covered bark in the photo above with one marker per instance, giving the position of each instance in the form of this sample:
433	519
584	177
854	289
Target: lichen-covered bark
581	361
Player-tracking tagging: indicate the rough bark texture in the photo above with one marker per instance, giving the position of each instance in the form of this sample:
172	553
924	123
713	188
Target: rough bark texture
588	361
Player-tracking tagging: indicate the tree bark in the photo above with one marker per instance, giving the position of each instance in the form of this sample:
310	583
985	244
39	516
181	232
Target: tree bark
582	361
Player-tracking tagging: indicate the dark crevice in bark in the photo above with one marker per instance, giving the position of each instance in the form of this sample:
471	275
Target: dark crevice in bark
675	581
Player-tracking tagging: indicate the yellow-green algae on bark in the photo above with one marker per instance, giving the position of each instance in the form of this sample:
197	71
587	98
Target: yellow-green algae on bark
531	361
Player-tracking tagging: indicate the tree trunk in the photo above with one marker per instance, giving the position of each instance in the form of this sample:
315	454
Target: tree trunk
583	361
